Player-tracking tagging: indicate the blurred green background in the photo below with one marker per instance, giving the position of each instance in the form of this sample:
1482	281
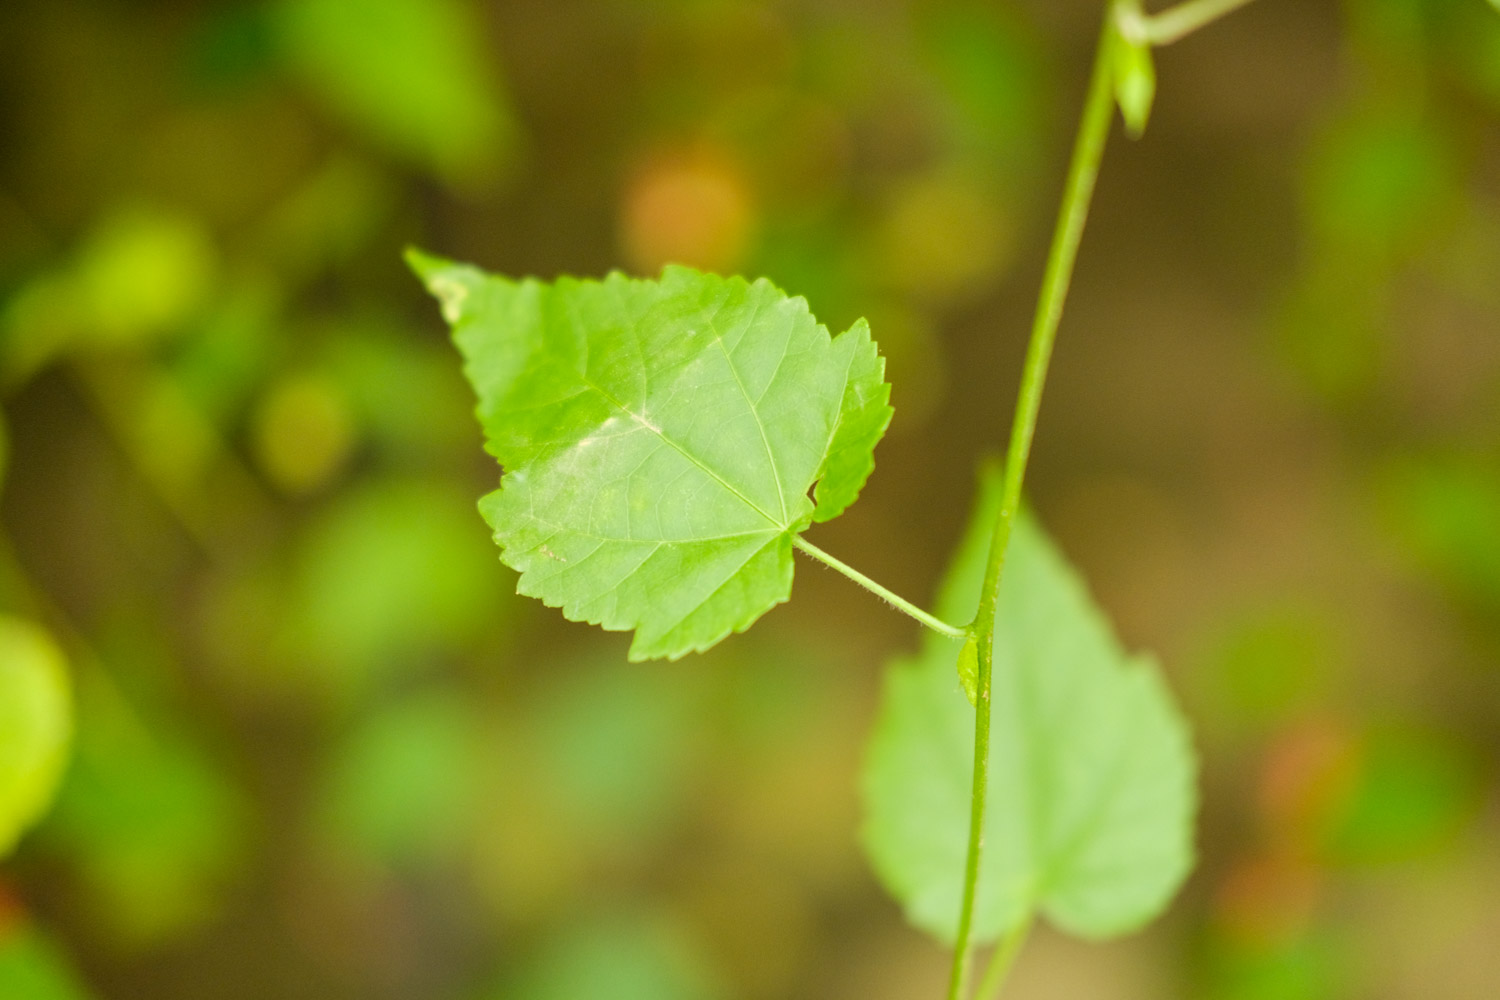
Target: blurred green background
322	750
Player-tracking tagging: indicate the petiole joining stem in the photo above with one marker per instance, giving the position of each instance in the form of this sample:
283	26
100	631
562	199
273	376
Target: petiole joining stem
1083	169
895	600
1001	961
1175	23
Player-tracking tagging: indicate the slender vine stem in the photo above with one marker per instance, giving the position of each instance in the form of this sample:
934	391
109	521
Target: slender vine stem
1177	22
1083	171
1002	960
1088	151
895	600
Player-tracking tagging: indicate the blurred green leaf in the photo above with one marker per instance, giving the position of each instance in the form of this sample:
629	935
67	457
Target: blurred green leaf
142	275
1092	794
1445	510
1476	47
398	569
333	214
1464	40
1334	327
415	74
987	61
407	395
232	47
36	725
624	957
1304	968
401	789
1269	663
1413	792
1380	180
660	440
154	828
616	744
227	354
32	967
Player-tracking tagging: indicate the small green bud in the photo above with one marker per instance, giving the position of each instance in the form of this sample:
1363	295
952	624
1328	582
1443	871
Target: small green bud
1135	81
968	670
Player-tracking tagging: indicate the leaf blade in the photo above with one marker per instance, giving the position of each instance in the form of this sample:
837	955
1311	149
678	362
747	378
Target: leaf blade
1091	774
864	417
660	439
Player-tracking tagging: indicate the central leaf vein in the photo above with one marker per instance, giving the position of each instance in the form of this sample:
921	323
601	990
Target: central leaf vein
684	452
765	441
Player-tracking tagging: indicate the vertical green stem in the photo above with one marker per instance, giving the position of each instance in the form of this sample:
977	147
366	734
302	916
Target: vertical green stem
1088	150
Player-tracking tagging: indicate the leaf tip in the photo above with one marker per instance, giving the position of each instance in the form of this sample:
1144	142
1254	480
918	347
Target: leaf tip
447	281
422	263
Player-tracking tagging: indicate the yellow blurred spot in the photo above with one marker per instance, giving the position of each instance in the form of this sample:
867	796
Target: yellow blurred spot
144	273
687	208
945	236
303	434
36	724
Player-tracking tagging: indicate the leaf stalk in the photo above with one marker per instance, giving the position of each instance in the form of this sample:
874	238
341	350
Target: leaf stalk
895	600
1174	23
1001	961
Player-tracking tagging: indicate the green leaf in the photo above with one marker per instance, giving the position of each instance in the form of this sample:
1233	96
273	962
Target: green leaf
1135	81
659	440
36	725
1091	795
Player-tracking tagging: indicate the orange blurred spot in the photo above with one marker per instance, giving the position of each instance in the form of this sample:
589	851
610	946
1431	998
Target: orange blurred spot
1266	900
1306	775
687	208
12	913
